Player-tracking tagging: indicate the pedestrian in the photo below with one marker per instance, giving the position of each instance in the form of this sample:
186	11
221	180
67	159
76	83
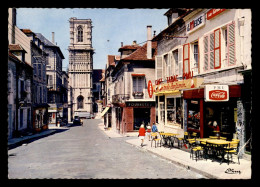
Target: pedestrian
154	128
148	132
141	134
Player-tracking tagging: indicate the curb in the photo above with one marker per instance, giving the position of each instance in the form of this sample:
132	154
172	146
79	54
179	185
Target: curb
188	167
29	139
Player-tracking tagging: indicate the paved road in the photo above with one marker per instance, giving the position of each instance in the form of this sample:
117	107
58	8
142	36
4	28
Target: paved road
86	152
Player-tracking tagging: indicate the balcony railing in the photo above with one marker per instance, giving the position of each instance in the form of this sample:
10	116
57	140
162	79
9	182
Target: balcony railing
120	98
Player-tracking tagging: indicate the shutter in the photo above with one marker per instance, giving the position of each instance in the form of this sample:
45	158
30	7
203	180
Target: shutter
159	67
134	84
217	44
186	58
28	89
206	52
172	72
231	44
180	52
211	48
140	84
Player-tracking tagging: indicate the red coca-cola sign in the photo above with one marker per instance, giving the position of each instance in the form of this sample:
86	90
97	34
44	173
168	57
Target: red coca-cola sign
218	95
150	88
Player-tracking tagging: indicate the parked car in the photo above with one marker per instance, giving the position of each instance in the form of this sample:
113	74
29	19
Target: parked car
76	120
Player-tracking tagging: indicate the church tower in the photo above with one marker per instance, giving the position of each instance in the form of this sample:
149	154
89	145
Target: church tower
80	67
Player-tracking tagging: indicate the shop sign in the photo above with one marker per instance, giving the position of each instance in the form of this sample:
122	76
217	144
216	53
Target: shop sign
150	88
179	85
216	93
140	104
195	23
214	12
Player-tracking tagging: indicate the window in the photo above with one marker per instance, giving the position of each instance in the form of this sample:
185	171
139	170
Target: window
196	54
212	50
138	83
80	34
80	100
176	62
173	111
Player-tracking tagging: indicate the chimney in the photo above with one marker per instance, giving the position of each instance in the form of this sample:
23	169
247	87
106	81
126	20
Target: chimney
53	41
149	41
134	42
121	44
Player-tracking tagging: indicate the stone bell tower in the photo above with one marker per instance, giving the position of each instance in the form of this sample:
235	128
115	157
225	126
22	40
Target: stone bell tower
80	67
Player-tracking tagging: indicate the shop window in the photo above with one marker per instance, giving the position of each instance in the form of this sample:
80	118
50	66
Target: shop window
162	109
173	111
193	115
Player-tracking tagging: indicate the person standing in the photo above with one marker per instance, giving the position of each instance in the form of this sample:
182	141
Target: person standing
154	128
141	134
148	132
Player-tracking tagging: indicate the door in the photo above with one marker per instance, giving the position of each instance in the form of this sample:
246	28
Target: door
141	115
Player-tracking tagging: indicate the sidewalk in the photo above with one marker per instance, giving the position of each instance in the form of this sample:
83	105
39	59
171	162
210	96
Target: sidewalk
14	142
207	168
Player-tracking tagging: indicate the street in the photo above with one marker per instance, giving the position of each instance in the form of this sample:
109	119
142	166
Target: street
85	152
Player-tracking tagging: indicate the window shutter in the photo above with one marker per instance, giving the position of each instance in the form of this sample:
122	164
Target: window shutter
172	64
134	84
217	44
231	44
206	52
159	67
180	60
211	48
186	58
140	84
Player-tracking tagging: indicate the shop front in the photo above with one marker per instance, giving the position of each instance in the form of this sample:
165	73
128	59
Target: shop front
212	110
135	113
169	103
40	117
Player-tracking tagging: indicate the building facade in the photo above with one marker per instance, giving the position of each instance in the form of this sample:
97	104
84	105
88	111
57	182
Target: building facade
54	78
129	100
203	67
39	86
80	66
20	77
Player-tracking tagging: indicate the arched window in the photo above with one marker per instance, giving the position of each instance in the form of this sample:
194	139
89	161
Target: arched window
80	33
80	101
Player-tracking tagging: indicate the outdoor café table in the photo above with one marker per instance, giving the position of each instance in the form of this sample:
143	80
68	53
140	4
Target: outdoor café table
219	146
167	137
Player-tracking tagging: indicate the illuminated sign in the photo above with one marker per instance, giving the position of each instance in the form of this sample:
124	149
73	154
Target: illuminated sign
216	93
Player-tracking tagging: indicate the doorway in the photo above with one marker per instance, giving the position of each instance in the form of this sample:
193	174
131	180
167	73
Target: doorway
141	115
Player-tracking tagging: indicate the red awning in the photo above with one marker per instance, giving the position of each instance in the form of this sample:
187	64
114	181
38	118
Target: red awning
138	75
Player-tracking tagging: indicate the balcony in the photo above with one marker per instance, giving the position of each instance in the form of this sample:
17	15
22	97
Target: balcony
120	98
138	95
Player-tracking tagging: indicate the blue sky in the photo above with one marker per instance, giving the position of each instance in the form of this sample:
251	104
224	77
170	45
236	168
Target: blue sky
111	27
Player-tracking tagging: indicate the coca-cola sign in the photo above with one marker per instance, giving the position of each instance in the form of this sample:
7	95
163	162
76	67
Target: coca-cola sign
216	93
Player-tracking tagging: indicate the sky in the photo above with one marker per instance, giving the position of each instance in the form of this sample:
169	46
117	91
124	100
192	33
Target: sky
111	26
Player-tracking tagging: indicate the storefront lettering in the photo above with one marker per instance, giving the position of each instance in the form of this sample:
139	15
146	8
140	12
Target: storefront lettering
196	23
214	12
150	88
172	78
218	95
188	75
139	104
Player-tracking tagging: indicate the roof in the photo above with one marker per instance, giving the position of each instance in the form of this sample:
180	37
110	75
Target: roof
127	47
27	31
173	25
111	60
141	53
47	43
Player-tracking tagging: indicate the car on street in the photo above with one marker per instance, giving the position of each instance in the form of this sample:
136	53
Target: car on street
76	120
